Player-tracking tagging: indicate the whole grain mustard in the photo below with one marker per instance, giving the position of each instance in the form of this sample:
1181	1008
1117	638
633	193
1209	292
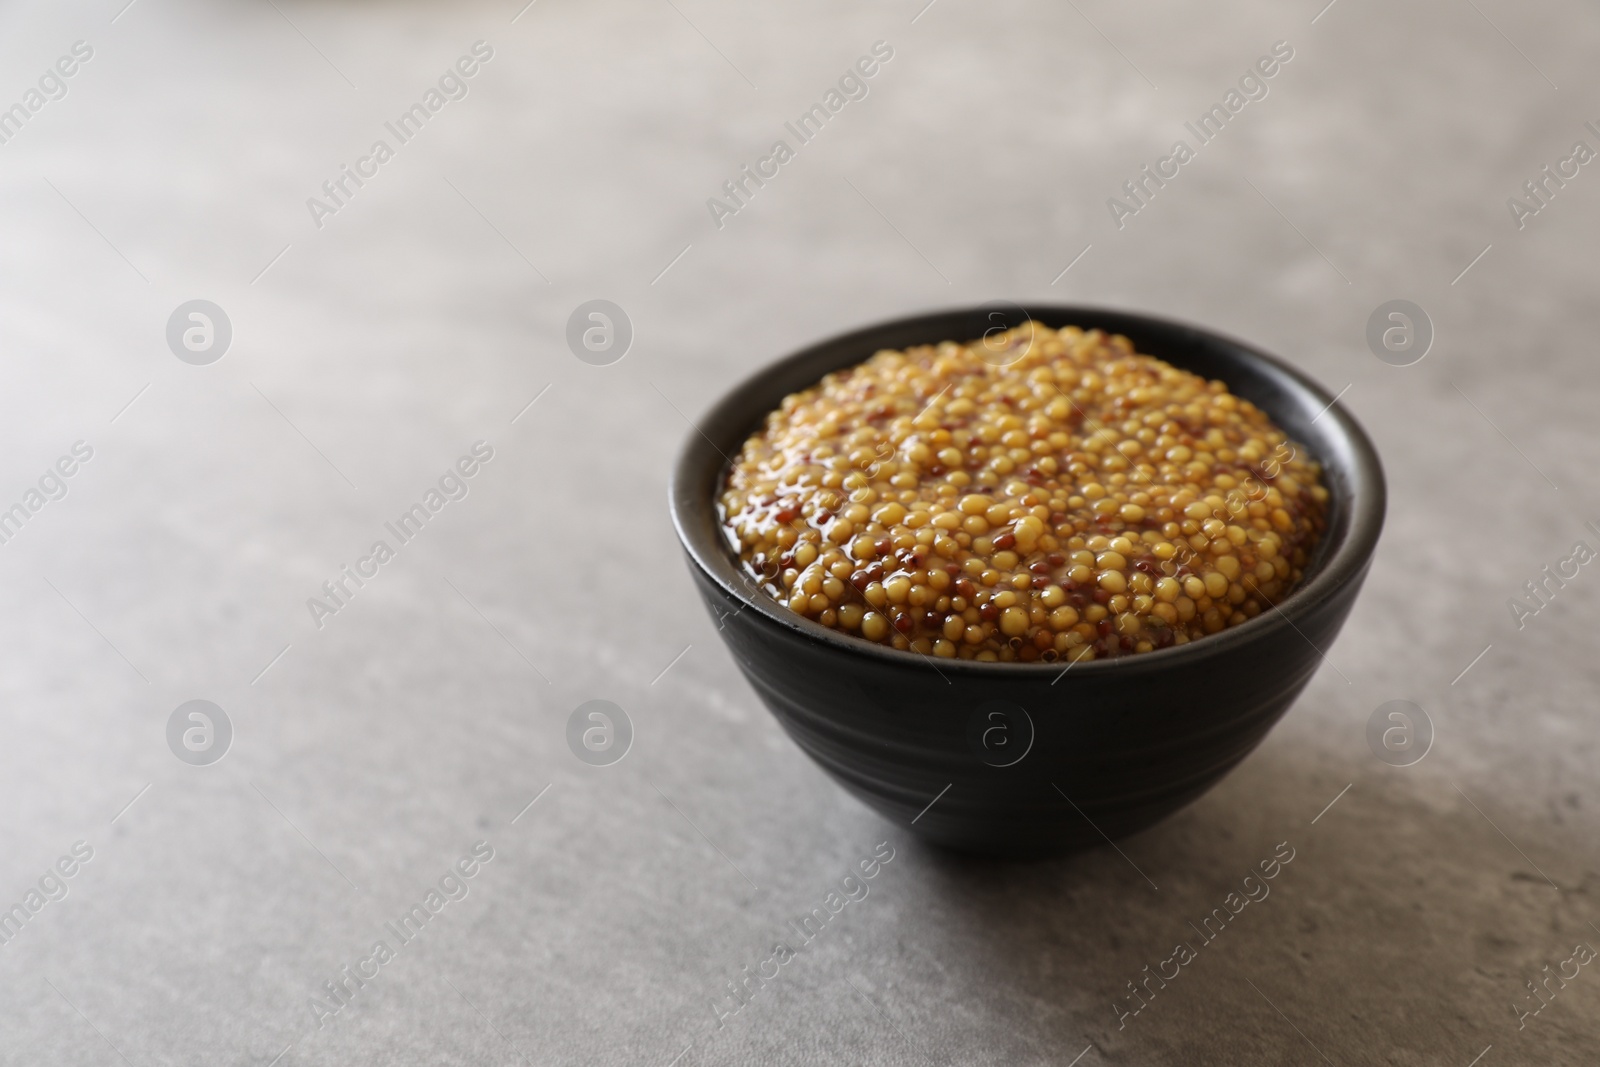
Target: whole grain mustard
1035	495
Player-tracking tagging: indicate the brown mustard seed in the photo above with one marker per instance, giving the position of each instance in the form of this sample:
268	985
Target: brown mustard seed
1043	496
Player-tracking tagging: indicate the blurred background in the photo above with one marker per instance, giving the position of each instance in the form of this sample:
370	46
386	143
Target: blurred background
357	341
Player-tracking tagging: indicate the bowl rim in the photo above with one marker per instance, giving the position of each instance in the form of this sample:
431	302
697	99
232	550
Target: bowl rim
1366	501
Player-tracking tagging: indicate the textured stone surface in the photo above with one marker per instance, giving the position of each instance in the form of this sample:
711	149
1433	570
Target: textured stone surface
427	713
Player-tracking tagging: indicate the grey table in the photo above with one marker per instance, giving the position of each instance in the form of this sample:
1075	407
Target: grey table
380	332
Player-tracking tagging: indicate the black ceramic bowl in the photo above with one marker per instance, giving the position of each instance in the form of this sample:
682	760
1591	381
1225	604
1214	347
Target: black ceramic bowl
1030	759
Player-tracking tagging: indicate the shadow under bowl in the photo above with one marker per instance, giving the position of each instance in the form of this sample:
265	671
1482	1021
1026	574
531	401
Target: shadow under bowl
1034	759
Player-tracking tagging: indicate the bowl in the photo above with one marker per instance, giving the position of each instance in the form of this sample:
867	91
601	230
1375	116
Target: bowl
1034	759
